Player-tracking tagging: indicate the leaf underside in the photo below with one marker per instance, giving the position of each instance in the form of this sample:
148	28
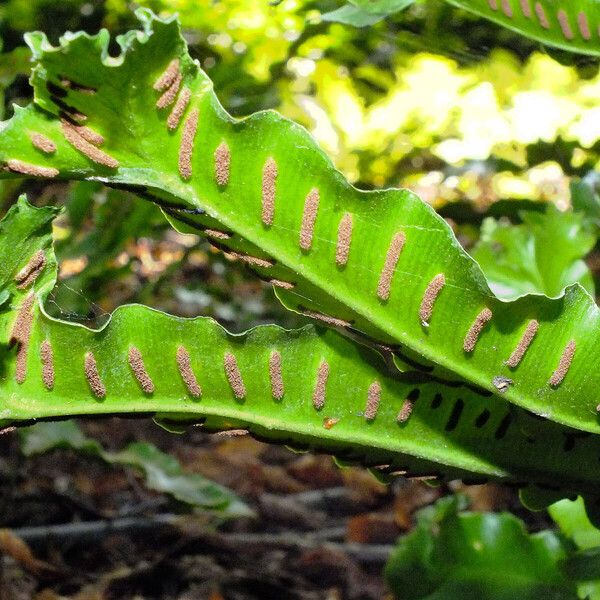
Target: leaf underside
184	371
263	191
572	25
516	259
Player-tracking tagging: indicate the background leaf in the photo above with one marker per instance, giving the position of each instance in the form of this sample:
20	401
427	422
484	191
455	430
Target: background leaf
544	255
457	555
362	13
162	472
571	517
585	198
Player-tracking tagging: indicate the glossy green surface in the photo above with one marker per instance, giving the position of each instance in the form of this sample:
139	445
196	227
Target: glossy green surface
452	555
450	432
122	109
572	25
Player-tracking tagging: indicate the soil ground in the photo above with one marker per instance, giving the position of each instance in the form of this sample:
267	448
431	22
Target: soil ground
76	528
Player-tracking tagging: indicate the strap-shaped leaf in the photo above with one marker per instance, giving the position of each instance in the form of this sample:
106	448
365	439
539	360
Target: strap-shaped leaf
570	24
311	388
382	262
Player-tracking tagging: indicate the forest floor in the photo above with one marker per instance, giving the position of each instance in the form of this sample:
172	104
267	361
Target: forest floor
73	527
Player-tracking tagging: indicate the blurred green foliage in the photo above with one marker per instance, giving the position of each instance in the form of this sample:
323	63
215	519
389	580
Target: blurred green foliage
543	255
571	518
162	472
362	13
452	554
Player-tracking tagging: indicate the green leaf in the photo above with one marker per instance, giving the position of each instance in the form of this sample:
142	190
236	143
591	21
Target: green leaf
381	6
571	517
362	13
463	555
311	388
573	521
544	255
24	232
4	296
13	63
352	15
43	437
571	25
288	226
585	199
162	472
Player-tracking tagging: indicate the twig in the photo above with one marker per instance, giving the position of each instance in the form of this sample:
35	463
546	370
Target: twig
287	540
92	530
363	553
286	509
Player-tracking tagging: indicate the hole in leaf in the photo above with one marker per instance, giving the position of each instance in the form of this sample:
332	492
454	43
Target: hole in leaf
503	427
414	394
437	401
483	418
56	90
455	415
